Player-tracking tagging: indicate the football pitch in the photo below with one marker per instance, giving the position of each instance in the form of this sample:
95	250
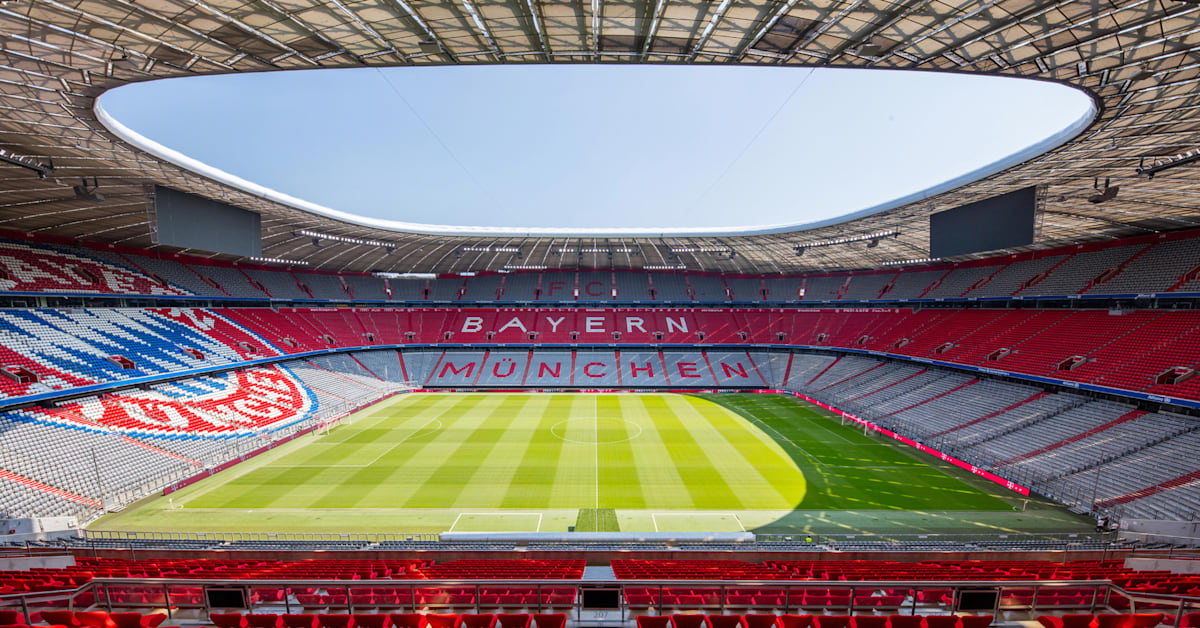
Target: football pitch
481	462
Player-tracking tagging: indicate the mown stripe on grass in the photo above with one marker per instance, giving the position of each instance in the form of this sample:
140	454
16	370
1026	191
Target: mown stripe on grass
575	478
538	464
345	487
403	404
410	465
255	490
705	484
492	478
655	473
469	449
372	442
764	474
619	483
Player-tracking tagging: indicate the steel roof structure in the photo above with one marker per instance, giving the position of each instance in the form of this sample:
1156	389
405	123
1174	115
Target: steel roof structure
1139	58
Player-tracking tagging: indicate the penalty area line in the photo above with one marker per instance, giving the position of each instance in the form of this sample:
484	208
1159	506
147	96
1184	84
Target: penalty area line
537	526
694	515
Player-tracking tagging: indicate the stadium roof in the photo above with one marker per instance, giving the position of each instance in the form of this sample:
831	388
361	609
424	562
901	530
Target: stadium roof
1136	56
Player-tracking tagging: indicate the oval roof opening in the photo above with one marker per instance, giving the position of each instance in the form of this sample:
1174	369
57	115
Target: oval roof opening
595	150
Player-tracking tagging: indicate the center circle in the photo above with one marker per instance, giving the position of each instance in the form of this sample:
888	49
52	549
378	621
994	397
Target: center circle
589	433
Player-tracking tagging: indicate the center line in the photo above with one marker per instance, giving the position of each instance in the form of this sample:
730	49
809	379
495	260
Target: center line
596	420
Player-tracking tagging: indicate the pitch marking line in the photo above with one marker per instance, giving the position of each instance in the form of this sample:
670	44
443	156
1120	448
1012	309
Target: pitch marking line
373	461
537	527
414	433
553	430
378	414
851	466
596	438
833	433
655	515
763	424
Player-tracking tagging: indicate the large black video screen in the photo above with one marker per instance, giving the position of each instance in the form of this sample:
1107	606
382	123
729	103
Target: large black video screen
194	222
999	222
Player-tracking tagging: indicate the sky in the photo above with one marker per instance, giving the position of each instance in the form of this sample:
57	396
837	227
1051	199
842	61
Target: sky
598	146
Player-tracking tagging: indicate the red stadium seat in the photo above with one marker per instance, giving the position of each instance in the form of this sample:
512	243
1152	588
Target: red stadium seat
1190	620
653	621
224	620
366	620
137	620
478	621
904	621
67	618
264	621
514	620
760	620
300	620
550	620
927	596
443	620
869	621
335	621
941	621
11	618
1066	621
724	621
795	621
95	619
975	621
408	620
832	621
687	620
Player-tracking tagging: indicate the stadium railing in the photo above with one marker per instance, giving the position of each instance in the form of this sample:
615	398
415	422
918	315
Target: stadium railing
797	538
186	597
818	538
86	535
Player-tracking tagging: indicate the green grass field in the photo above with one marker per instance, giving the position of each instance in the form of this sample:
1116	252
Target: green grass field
633	462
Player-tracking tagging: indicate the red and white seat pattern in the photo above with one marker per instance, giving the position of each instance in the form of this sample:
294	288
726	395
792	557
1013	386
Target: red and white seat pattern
63	349
34	268
239	402
73	347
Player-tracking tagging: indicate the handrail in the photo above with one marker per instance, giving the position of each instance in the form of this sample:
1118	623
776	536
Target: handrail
1102	590
51	596
226	537
1068	537
27	551
565	582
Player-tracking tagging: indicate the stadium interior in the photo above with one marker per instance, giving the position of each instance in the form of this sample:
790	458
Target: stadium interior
222	408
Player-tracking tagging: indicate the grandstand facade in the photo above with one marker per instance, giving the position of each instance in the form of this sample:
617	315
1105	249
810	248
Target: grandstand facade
1040	368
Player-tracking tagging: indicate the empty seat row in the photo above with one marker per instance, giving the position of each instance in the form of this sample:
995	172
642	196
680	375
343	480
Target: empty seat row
395	620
